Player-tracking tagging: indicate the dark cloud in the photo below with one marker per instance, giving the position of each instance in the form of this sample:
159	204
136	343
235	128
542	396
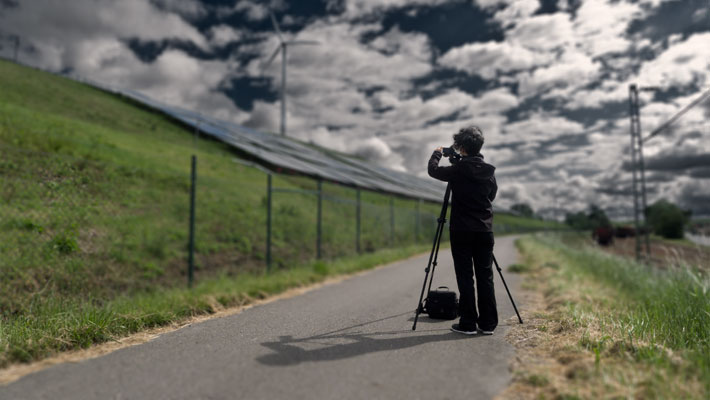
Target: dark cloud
660	177
696	198
548	7
701	173
441	80
9	4
245	90
677	162
448	25
573	140
673	17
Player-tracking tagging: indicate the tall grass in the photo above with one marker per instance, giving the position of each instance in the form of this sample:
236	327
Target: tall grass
658	309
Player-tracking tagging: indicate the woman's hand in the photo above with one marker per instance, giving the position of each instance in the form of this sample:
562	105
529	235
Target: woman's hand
439	149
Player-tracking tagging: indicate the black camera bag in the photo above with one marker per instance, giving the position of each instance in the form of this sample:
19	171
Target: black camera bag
442	304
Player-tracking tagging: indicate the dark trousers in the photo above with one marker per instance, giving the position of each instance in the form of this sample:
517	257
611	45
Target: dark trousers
474	251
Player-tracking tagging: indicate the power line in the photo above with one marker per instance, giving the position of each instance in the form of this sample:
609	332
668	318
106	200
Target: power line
680	113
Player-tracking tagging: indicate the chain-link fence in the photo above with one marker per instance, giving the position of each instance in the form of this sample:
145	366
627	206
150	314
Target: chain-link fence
82	225
326	220
97	227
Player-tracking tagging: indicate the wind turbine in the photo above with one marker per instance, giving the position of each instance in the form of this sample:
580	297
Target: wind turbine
283	46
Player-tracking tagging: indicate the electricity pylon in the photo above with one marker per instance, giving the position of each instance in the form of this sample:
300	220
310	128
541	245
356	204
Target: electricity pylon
638	173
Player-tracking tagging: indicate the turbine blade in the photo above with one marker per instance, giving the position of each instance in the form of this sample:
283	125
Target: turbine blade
313	42
265	65
276	26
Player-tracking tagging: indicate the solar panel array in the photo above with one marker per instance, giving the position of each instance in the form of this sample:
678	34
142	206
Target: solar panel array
276	153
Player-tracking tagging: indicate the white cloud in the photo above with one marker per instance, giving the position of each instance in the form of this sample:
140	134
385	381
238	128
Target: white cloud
254	10
59	29
221	35
602	24
359	8
491	58
609	91
515	10
683	63
173	78
191	9
373	148
573	69
543	32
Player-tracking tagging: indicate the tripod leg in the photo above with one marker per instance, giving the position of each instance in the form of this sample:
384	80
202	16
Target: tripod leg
434	254
434	250
500	271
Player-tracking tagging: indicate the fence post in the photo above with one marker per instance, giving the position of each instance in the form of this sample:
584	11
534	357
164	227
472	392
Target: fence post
418	221
17	47
191	245
320	218
358	216
268	222
392	220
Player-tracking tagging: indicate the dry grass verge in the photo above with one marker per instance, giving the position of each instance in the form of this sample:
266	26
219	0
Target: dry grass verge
576	343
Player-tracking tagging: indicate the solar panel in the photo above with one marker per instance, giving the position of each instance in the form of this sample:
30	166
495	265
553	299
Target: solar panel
276	152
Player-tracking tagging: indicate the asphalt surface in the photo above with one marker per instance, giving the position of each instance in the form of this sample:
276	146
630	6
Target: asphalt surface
349	340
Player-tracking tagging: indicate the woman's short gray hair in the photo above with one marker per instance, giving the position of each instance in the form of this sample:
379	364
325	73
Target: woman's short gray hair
470	138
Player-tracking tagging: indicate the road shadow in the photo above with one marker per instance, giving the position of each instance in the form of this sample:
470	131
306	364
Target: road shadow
287	351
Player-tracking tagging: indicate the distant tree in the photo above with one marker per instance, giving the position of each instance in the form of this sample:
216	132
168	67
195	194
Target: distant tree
524	209
594	218
577	220
667	219
598	218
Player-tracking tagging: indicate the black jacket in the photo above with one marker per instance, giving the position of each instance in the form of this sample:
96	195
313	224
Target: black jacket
473	188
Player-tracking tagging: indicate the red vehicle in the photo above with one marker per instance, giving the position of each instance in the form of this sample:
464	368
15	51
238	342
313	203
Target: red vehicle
604	235
624	232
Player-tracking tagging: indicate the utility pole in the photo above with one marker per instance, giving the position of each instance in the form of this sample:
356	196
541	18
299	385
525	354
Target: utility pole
17	46
638	172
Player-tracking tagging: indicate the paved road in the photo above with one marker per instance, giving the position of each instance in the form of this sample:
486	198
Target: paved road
350	340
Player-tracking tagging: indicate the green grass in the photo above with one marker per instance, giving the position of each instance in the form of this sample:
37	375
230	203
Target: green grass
646	313
63	324
512	223
519	268
94	209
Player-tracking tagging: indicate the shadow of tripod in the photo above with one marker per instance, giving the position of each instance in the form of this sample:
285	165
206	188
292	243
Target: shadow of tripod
343	343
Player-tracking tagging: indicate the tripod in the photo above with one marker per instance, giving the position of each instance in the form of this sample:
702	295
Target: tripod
433	257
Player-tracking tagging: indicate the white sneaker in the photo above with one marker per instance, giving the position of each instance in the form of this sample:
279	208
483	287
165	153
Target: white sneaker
457	328
482	332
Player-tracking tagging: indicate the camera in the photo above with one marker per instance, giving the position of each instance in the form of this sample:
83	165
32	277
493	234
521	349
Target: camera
451	154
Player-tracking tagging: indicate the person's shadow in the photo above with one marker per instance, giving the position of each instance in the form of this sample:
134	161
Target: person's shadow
286	351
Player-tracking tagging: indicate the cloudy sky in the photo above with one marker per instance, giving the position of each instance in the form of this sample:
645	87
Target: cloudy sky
546	80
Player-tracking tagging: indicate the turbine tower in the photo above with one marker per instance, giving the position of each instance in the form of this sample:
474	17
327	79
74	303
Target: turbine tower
283	46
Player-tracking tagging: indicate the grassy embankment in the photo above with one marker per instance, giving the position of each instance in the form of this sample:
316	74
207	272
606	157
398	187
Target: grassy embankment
602	326
94	215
